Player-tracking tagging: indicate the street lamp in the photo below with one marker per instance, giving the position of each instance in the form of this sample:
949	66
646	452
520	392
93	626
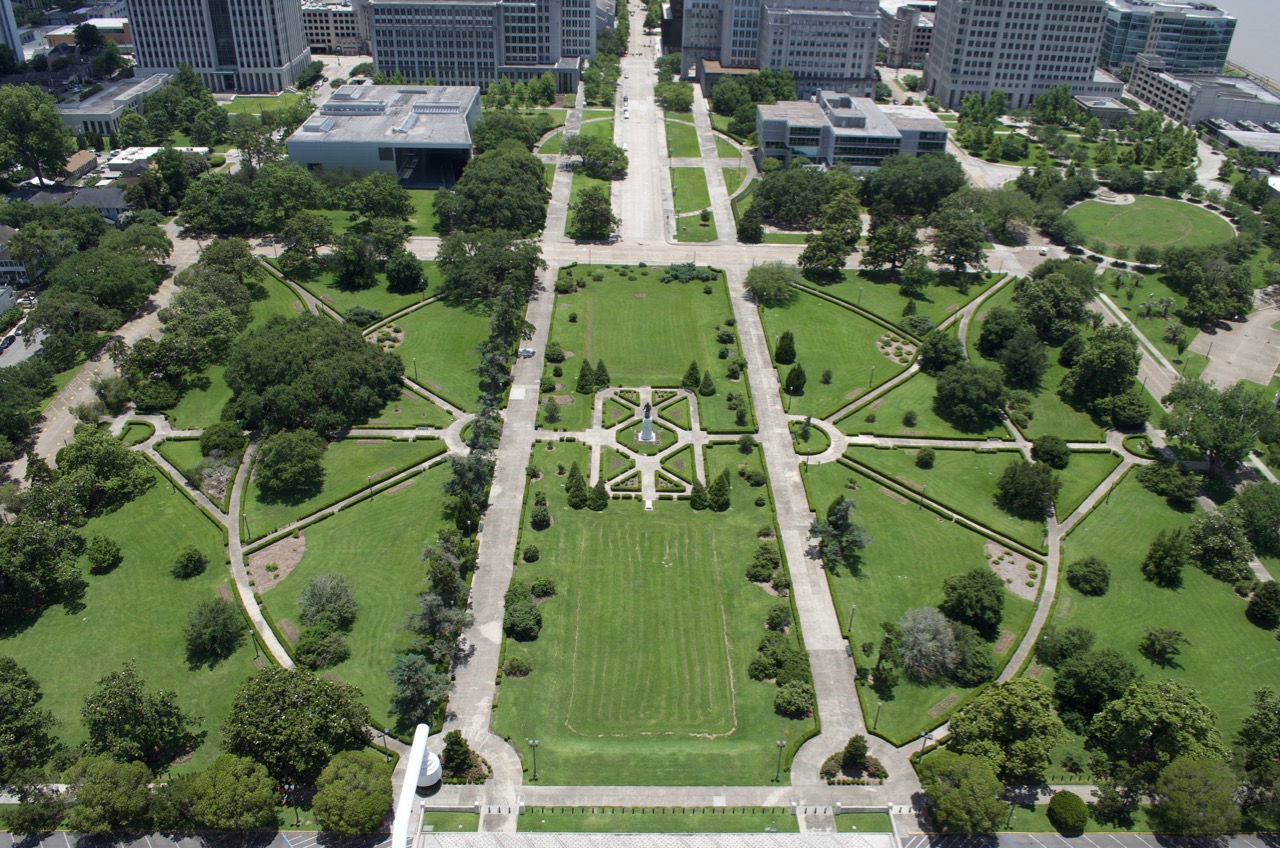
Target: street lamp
386	748
533	743
369	477
925	739
872	381
852	609
415	369
782	743
879	704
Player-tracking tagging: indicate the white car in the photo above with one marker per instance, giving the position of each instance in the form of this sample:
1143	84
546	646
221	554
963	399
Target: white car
626	76
626	114
624	147
1044	251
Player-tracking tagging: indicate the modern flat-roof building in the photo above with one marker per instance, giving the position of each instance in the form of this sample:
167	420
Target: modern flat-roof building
474	42
1192	99
1190	35
1022	47
826	44
422	134
234	45
101	112
1107	110
906	30
334	26
837	129
111	29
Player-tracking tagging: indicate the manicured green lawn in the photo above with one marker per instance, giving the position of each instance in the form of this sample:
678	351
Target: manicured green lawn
726	150
379	297
911	552
424	218
549	174
1149	221
137	433
682	140
964	481
1083	474
817	442
690	187
451	822
658	820
348	465
1036	820
1227	658
691	228
183	454
916	394
401	522
580	183
411	410
732	179
556	116
599	129
828	336
785	238
682	117
592	114
552	144
254	105
677	413
202	406
439	347
1133	293
877	291
339	219
137	612
863	823
653	691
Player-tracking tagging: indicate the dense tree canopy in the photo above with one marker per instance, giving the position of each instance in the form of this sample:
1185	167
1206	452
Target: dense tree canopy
476	267
31	131
353	794
911	185
127	721
26	730
1223	423
963	792
235	793
1013	727
309	372
501	189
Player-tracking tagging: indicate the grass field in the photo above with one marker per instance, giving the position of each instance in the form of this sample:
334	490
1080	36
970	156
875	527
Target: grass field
243	105
785	238
552	144
682	140
877	291
828	336
914	395
658	820
725	149
202	406
732	179
401	522
184	454
682	710
581	182
690	188
911	552
1149	221
1036	820
379	297
136	433
450	822
962	480
599	129
1083	474
691	228
348	464
411	410
424	218
1227	658
137	612
1150	288
443	340
863	823
548	174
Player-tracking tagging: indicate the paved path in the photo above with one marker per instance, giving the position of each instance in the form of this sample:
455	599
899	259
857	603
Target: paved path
1243	350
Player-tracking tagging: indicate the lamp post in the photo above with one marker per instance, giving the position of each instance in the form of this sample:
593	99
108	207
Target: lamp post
369	477
925	739
852	609
415	369
386	749
879	704
777	778
533	743
872	381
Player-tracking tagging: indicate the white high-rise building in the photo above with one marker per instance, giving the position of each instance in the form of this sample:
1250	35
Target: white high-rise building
234	45
826	44
1021	47
9	29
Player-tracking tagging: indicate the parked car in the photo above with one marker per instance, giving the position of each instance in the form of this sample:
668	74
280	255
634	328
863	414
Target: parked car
7	343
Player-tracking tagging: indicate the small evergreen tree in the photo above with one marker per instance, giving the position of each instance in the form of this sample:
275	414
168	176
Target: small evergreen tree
718	494
786	352
576	488
699	500
598	499
550	411
706	388
750	226
692	378
795	380
586	379
602	375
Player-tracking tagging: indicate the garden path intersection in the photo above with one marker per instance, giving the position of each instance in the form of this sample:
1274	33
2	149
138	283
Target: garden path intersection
644	202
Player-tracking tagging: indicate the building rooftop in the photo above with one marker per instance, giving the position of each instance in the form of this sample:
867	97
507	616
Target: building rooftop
892	6
713	66
853	116
435	114
793	111
326	4
1190	8
130	155
1102	103
114	94
110	24
1263	142
99	198
913	118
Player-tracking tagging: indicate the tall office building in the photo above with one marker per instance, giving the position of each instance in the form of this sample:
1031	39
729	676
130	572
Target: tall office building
1022	47
9	29
234	45
474	42
826	44
1189	35
906	30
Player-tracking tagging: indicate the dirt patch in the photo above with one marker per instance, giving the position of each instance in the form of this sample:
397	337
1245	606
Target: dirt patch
400	487
326	299
297	307
909	483
911	432
856	393
224	591
386	472
369	441
1014	569
876	404
890	493
565	400
677	464
944	705
1006	640
568	354
1035	671
284	555
288	630
641	295
911	451
1064	608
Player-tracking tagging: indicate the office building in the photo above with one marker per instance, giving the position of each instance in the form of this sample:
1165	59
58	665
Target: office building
422	134
906	29
1191	36
1193	99
100	113
334	26
837	129
111	29
251	46
826	44
1022	47
474	42
9	29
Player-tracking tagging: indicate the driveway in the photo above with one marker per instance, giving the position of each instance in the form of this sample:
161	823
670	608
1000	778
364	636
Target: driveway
1243	350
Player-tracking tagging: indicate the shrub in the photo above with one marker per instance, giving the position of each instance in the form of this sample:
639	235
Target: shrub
854	756
321	647
104	554
794	700
573	317
1068	812
213	632
1089	576
223	438
190	563
909	418
362	316
517	667
328	598
1052	451
555	352
530	553
1264	607
746	443
543	587
925	458
779	617
541	517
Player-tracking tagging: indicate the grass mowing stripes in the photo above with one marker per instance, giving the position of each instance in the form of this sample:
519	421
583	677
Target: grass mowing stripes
442	339
690	187
682	140
877	291
1149	222
915	394
1083	474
